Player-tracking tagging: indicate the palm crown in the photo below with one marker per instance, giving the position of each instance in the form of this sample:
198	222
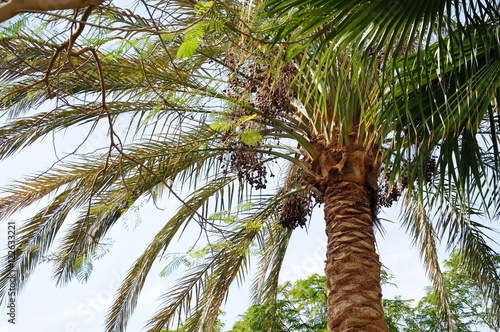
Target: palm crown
210	107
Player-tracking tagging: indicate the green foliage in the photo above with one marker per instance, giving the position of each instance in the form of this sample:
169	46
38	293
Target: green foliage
241	126
469	308
395	311
221	125
201	7
192	38
251	137
301	306
84	263
195	34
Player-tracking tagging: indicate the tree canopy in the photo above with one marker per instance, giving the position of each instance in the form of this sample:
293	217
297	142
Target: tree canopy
301	306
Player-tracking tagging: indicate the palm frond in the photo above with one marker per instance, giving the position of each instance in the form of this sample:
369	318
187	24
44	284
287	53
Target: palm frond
34	241
128	293
273	249
419	225
201	291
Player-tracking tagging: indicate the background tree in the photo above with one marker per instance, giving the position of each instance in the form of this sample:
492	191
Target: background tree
198	107
301	306
469	307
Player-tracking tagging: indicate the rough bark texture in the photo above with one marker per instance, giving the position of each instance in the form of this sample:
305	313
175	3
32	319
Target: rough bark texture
352	267
13	7
345	177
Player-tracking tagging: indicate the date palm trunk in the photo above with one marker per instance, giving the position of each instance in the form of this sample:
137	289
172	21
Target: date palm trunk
352	267
346	178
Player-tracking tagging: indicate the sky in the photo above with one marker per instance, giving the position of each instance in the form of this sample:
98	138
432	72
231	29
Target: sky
77	307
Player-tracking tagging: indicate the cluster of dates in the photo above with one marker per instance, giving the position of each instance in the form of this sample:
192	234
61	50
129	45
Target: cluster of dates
252	82
388	195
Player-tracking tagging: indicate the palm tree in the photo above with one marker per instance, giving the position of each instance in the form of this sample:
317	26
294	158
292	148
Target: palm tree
437	120
207	108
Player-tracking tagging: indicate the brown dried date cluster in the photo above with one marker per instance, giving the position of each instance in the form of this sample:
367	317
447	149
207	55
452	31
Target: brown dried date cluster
265	87
294	211
252	82
387	197
274	96
249	166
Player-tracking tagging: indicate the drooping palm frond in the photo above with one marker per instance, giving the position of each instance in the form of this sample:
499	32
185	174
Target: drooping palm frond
274	242
453	116
273	249
447	137
431	225
174	110
226	260
210	280
129	291
449	141
103	190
